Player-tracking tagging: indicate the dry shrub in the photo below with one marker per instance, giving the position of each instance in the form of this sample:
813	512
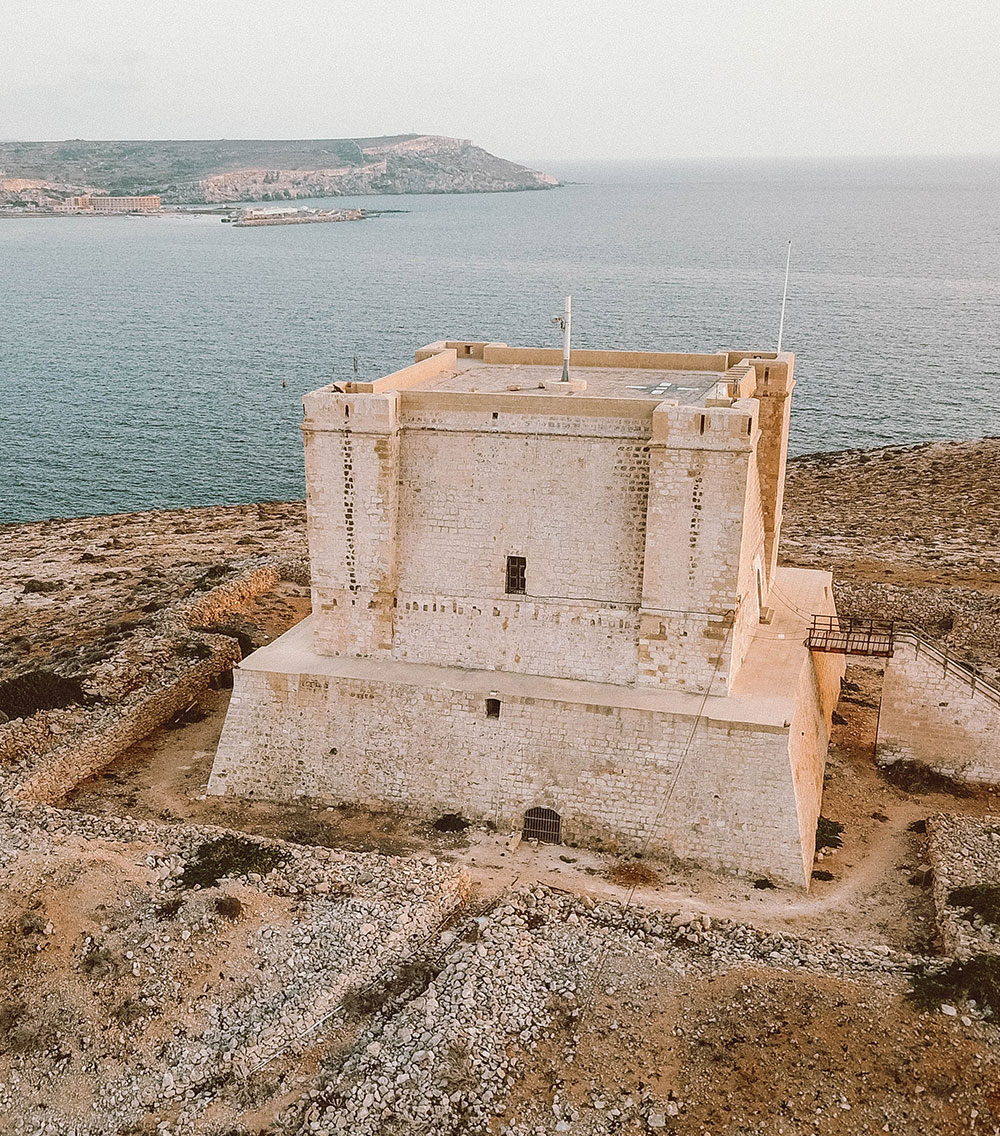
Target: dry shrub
30	923
229	856
98	962
632	873
129	1012
977	978
41	586
829	833
228	906
912	777
415	974
19	1032
451	822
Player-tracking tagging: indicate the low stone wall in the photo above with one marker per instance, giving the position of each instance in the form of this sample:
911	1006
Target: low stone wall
963	851
960	620
223	600
113	731
43	764
933	716
37	734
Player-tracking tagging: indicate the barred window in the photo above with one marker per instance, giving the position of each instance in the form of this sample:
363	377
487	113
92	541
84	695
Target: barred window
516	575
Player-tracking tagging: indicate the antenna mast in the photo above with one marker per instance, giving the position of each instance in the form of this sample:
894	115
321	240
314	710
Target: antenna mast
565	322
784	296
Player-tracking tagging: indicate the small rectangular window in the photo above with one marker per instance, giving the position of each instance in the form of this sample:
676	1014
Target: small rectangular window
516	575
492	707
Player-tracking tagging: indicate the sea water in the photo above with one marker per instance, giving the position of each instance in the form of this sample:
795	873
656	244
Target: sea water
161	361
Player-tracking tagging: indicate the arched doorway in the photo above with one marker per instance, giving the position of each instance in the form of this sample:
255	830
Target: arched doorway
542	824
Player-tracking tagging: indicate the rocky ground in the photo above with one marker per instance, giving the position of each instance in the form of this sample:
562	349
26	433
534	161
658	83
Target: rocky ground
71	588
149	972
338	972
870	889
911	533
911	515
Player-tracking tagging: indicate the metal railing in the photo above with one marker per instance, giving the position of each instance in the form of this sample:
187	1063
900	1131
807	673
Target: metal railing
871	637
972	676
879	638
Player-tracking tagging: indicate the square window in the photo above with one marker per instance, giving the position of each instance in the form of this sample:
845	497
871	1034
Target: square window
516	575
492	707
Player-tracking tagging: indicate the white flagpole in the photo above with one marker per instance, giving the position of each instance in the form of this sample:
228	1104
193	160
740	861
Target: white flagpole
784	297
566	334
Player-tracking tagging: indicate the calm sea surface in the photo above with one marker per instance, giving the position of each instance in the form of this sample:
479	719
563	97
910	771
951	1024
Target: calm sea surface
142	361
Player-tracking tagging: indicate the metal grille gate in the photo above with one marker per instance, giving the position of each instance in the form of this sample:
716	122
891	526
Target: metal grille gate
544	825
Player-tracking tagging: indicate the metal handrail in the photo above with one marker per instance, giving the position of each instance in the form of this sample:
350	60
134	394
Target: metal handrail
970	675
826	628
872	637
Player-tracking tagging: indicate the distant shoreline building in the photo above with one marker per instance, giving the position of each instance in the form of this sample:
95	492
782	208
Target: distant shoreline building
555	606
93	203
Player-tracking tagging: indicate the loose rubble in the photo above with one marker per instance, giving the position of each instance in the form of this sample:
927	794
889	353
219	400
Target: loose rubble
964	853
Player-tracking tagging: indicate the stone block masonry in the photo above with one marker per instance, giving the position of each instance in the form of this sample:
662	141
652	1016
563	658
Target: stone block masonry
730	782
535	594
607	770
934	714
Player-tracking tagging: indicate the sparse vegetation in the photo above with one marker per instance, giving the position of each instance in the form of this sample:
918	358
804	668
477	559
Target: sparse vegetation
128	1012
912	777
829	834
30	923
38	690
411	974
19	1032
976	978
97	962
228	906
978	901
451	822
229	856
40	587
632	873
169	908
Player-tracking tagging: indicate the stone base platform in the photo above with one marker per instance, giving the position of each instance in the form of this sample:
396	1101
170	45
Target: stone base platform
732	782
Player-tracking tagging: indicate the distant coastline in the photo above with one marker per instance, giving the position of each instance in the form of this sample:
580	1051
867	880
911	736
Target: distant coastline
44	176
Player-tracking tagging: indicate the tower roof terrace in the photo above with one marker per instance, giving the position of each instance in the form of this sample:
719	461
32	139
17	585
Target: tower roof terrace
474	367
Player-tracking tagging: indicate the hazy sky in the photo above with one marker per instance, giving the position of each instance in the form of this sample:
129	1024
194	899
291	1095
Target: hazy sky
529	80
